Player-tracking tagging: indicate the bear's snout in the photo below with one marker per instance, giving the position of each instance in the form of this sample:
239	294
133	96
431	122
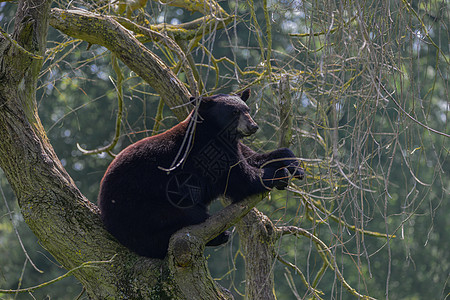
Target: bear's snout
247	126
253	128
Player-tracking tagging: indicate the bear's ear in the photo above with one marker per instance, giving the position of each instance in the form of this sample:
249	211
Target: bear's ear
199	100
206	102
245	95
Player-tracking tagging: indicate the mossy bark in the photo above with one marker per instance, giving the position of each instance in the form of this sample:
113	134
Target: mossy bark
66	223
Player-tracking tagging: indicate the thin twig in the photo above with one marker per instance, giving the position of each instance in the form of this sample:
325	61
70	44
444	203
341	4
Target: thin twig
302	276
409	116
33	288
108	148
323	249
17	232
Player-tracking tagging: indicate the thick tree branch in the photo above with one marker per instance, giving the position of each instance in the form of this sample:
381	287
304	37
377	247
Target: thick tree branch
107	32
257	236
186	260
222	220
66	223
185	31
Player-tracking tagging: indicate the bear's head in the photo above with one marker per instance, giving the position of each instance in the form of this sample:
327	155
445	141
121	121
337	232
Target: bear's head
229	113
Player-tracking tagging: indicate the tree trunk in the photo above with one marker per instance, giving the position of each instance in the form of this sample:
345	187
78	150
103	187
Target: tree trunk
66	223
257	237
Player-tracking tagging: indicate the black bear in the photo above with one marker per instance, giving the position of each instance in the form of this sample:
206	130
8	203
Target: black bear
162	183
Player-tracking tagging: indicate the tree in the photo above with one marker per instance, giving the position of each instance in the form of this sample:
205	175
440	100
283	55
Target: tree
351	129
68	224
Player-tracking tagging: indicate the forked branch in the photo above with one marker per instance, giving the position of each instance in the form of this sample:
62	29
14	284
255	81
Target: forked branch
186	260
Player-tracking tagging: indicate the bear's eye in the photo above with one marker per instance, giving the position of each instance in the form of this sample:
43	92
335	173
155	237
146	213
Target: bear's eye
236	112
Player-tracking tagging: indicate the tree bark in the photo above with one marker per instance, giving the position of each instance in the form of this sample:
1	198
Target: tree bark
257	236
186	247
285	112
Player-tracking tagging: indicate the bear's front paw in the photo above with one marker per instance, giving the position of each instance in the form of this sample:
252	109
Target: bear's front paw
295	170
285	158
279	179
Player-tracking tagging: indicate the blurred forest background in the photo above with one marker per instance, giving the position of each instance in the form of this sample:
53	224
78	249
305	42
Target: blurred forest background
369	85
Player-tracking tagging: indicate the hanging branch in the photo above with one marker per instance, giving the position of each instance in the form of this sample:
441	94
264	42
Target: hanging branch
308	201
302	277
67	274
108	148
158	117
269	39
205	7
325	253
188	63
407	114
17	232
424	28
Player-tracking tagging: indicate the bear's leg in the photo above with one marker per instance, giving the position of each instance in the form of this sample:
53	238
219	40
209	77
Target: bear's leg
280	158
199	214
156	244
220	239
275	178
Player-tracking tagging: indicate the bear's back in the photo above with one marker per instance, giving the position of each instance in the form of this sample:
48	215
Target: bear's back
135	173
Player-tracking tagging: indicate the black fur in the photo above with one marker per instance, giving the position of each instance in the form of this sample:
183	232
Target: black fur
147	194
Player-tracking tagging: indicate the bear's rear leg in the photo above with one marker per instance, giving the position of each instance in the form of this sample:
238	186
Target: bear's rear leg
220	239
199	214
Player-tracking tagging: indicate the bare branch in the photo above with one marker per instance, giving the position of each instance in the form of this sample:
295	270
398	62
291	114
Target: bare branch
105	31
108	148
325	253
302	277
67	274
